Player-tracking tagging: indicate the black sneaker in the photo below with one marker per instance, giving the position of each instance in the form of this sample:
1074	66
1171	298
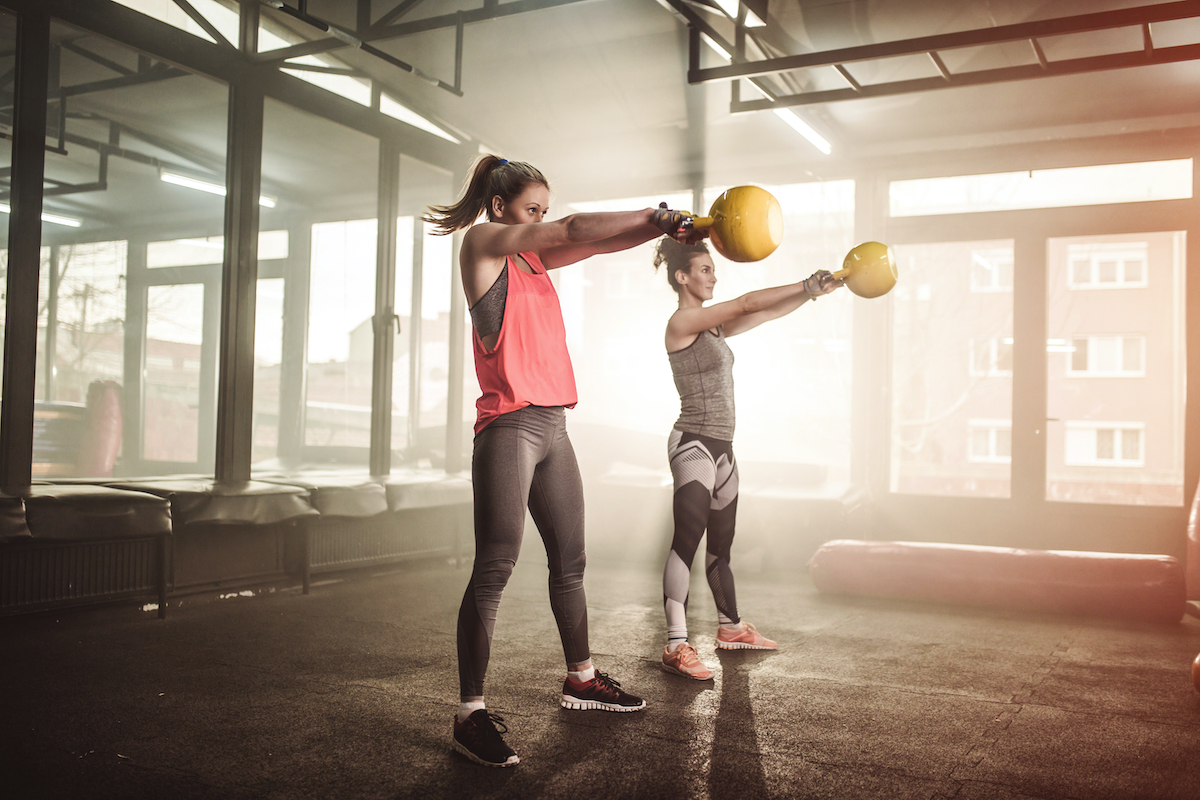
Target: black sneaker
600	692
478	740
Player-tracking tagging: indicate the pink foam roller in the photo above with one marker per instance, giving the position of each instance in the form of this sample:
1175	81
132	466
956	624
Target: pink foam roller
100	444
1147	587
1193	549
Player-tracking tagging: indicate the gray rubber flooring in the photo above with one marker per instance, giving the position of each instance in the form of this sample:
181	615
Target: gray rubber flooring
348	693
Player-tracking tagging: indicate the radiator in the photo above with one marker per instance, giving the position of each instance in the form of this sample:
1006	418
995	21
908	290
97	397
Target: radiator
34	576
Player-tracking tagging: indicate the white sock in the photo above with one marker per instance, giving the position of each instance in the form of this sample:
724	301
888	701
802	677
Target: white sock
733	626
583	675
468	708
673	644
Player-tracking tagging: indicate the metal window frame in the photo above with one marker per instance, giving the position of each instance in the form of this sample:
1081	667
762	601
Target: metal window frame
250	81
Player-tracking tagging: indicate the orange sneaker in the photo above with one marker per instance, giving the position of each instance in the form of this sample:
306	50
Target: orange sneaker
748	638
684	661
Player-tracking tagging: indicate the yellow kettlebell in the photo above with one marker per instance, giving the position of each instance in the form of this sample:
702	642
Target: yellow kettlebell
745	223
869	270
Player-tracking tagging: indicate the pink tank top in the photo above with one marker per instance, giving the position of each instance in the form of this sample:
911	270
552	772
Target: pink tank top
530	365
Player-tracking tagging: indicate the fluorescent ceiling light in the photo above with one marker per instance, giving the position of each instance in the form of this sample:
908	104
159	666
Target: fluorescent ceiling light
721	51
787	115
206	186
393	108
730	7
55	218
804	129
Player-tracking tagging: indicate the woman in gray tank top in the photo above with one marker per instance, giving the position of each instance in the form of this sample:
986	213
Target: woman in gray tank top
700	447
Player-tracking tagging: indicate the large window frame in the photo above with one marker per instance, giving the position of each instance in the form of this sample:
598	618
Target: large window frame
250	81
1027	518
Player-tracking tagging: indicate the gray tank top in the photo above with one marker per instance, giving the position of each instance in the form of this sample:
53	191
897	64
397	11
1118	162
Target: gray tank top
703	374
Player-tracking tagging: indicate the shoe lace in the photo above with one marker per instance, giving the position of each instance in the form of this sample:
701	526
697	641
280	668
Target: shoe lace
481	732
607	684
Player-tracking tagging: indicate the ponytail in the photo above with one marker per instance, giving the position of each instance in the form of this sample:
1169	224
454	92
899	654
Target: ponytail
490	176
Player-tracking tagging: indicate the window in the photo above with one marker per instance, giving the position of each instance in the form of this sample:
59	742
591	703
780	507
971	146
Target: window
1103	444
992	270
1043	188
205	250
1144	458
991	356
1107	357
1108	265
801	361
990	441
952	366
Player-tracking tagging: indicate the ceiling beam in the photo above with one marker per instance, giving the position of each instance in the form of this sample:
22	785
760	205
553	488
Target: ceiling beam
378	33
1077	66
203	22
1025	31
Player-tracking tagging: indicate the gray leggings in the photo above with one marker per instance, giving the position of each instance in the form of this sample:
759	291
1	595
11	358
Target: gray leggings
521	459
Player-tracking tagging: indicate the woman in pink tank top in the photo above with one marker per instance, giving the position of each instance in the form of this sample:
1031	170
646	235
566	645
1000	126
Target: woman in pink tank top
522	456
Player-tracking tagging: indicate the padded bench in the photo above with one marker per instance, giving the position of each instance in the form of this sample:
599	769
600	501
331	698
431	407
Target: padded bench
63	545
225	532
366	520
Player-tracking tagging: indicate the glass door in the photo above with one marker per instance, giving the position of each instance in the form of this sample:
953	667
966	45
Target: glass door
1116	368
179	295
952	369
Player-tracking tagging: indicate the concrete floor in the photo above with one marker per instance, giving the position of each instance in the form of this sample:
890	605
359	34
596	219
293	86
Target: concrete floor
348	693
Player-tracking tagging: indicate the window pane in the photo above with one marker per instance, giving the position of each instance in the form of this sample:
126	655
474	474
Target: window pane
1106	354
1131	354
435	343
321	317
403	433
818	220
981	355
1081	445
1004	356
1043	188
1004	443
129	120
1131	445
1079	356
174	333
1134	271
340	336
980	443
203	250
268	357
1118	441
936	315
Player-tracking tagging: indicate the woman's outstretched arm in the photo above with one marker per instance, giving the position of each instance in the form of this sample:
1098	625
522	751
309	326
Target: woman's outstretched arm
748	311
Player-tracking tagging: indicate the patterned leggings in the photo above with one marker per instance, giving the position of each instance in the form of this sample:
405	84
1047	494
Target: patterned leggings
523	459
706	494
